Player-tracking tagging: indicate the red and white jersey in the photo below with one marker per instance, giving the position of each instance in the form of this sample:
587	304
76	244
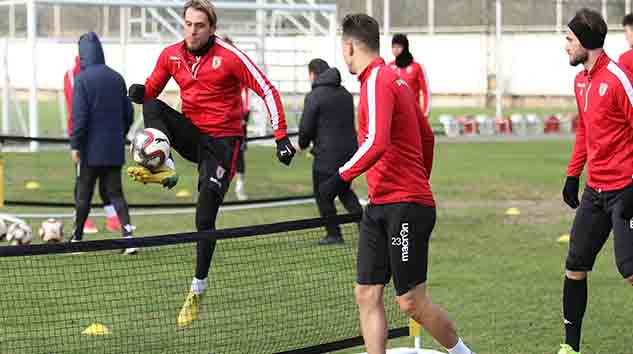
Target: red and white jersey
626	60
395	140
69	82
211	87
416	78
604	137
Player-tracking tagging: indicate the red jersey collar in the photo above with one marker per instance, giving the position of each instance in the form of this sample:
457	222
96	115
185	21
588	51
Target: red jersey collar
602	62
365	73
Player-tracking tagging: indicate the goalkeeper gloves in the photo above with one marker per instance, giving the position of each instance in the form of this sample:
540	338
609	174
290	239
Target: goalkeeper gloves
332	187
570	191
137	93
285	150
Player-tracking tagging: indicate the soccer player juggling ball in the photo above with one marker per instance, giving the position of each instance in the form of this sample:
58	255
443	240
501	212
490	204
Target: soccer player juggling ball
396	152
604	142
211	74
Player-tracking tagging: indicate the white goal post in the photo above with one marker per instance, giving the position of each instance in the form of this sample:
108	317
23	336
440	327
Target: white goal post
300	13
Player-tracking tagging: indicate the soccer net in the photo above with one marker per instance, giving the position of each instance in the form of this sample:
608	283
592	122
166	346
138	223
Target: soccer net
271	290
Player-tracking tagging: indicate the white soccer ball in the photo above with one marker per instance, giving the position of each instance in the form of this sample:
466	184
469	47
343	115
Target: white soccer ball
52	231
19	234
3	229
150	148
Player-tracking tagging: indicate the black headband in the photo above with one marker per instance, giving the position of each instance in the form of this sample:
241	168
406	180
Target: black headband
588	38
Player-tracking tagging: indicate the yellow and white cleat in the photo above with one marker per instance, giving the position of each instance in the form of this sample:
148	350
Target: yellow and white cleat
189	311
567	349
163	175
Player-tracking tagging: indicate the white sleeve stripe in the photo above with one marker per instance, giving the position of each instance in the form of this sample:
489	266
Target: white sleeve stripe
71	78
269	99
428	90
623	79
371	122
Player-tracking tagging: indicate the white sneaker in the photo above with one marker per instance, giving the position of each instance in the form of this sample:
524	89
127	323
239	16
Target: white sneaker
130	251
239	191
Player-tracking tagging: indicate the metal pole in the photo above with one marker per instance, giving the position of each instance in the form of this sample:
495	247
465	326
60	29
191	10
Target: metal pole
369	7
627	6
31	19
143	22
559	16
333	57
604	11
123	34
260	16
5	86
12	21
386	18
106	22
498	76
431	15
57	20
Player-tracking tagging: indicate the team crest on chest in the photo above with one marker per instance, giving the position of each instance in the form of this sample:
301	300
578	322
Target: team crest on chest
409	70
603	88
219	172
216	62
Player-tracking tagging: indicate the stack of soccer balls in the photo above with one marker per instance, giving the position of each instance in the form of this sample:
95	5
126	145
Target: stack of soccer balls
150	148
20	233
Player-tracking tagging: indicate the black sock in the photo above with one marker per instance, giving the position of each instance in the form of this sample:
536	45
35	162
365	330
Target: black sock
574	305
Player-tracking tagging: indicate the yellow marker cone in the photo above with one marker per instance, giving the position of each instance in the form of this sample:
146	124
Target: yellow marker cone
96	329
414	328
563	238
32	185
183	193
513	212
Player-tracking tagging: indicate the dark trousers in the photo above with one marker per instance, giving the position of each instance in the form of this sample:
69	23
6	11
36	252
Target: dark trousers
327	207
110	178
216	164
597	216
102	189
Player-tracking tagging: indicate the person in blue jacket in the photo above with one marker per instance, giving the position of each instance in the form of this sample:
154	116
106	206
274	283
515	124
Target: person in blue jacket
101	116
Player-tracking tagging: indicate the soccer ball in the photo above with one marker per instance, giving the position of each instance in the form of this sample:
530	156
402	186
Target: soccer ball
19	234
3	229
150	148
52	231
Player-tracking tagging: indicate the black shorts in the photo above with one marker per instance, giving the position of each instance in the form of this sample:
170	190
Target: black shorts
394	239
597	215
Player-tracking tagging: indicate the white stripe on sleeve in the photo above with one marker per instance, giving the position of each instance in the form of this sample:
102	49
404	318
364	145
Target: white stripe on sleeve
371	122
623	79
269	99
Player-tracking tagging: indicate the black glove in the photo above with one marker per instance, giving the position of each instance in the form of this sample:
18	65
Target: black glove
285	150
334	185
137	93
570	191
627	202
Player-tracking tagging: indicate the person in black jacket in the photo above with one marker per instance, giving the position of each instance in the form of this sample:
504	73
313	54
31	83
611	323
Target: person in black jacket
328	123
101	116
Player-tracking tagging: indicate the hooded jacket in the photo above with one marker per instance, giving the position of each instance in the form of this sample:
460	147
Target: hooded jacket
102	113
328	122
